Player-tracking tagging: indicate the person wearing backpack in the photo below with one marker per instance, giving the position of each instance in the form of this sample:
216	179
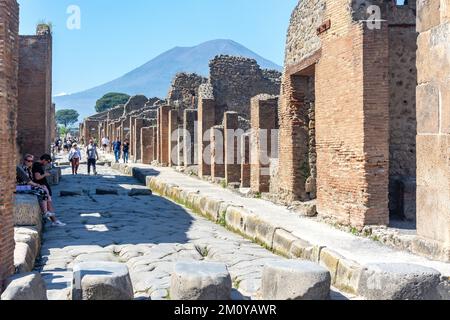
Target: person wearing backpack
92	156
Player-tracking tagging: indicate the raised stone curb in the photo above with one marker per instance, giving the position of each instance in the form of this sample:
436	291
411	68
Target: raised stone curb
28	286
345	273
100	280
295	280
200	281
27	212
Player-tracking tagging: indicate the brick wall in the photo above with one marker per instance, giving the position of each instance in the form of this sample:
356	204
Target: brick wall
190	138
173	137
232	139
147	145
163	135
90	130
217	152
183	92
35	94
245	160
433	122
9	51
206	120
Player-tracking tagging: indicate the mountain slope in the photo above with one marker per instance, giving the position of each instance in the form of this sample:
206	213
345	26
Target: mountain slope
154	78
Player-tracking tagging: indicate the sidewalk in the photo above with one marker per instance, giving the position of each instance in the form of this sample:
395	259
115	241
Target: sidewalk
277	228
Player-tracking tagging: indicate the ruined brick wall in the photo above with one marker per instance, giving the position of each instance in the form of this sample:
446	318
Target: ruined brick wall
183	91
236	80
135	103
402	111
115	113
351	123
90	130
9	54
433	123
35	94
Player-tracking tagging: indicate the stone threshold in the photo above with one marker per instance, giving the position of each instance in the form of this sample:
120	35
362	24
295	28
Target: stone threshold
279	230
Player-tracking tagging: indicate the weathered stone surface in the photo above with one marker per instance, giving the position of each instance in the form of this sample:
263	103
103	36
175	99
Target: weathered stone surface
398	282
200	281
101	281
23	258
27	286
295	280
140	192
27	211
30	238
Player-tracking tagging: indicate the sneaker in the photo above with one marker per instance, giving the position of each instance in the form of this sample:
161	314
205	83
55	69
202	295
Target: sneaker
49	215
58	224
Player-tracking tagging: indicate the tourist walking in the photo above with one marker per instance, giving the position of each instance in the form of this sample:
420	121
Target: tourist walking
75	158
126	151
105	143
116	148
92	156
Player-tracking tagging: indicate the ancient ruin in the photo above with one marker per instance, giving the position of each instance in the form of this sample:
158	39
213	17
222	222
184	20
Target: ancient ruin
351	140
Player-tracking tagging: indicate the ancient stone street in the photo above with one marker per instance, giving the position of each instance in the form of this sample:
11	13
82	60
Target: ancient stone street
148	233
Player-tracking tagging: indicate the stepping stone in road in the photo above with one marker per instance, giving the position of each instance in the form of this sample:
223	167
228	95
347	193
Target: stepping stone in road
399	281
72	193
25	286
104	192
200	281
140	192
99	280
295	280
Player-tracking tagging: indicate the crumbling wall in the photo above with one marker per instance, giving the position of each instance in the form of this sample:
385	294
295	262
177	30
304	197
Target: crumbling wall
235	80
183	91
35	93
9	54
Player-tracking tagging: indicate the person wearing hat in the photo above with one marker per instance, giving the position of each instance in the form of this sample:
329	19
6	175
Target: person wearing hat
75	158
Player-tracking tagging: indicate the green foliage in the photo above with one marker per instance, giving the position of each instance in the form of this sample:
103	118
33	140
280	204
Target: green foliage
111	100
42	24
67	117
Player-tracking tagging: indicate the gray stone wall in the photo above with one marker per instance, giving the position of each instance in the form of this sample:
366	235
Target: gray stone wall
183	91
235	80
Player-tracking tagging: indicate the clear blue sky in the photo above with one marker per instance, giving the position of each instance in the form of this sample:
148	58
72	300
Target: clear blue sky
118	36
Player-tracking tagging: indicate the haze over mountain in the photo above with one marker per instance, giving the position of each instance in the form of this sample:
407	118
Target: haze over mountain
153	78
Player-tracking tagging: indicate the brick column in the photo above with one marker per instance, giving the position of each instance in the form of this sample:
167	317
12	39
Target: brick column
263	121
190	138
180	146
146	145
9	54
232	150
35	93
131	135
217	152
155	143
433	127
163	135
245	160
173	138
206	120
138	124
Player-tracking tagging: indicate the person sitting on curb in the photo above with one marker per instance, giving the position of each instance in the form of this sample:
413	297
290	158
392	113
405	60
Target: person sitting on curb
75	158
40	177
26	185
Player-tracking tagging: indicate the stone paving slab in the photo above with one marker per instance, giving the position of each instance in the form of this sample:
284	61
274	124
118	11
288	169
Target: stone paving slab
263	219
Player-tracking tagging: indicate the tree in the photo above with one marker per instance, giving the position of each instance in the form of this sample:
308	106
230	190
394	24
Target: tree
67	117
110	100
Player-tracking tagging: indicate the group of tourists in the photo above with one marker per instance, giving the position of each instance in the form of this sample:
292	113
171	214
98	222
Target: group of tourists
123	149
31	178
91	154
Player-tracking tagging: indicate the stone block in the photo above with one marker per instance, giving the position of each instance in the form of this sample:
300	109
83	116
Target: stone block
30	237
428	14
301	249
23	258
428	108
200	281
101	281
140	192
27	211
282	241
347	276
28	286
398	282
295	280
104	192
70	193
330	260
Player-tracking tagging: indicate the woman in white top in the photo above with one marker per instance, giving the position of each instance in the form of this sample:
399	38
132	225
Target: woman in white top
75	158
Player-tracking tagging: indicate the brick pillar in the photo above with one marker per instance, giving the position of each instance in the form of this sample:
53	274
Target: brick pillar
190	138
138	124
245	160
131	134
263	121
173	138
433	127
232	149
180	146
155	143
206	119
163	135
9	54
35	94
217	152
146	145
